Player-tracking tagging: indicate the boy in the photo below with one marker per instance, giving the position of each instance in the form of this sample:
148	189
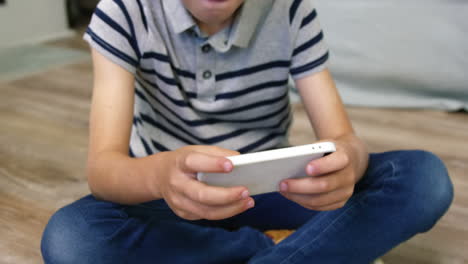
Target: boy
187	82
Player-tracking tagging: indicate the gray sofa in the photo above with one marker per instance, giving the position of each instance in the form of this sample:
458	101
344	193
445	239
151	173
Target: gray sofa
399	53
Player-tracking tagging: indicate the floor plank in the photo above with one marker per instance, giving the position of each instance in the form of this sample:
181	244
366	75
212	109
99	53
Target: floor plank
43	144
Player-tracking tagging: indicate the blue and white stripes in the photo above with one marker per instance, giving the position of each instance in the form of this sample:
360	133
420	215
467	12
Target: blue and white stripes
237	99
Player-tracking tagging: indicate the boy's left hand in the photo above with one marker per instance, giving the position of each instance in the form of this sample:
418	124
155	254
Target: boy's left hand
329	183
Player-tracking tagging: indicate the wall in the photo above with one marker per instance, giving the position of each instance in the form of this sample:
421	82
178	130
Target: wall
32	21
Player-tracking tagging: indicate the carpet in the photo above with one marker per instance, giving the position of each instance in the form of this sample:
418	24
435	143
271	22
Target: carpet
17	62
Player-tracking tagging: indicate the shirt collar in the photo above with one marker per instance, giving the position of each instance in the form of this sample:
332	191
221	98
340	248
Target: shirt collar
246	23
221	40
239	33
179	18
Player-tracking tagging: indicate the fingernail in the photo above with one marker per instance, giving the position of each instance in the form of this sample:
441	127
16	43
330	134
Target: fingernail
250	204
309	169
283	187
227	166
245	194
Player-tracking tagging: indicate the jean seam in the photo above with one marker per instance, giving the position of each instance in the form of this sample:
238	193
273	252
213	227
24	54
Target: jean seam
89	224
301	249
381	190
319	217
386	178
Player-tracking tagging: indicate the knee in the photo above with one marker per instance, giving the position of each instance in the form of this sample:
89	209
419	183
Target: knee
429	190
63	237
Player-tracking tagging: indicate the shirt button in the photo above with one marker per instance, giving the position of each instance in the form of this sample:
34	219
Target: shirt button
206	48
207	74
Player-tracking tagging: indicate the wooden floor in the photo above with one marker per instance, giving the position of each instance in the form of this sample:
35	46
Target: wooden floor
43	143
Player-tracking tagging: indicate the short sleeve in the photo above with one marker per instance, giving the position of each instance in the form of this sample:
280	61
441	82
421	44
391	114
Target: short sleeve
116	31
310	54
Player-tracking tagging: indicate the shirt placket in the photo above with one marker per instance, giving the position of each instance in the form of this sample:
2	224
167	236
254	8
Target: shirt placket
206	62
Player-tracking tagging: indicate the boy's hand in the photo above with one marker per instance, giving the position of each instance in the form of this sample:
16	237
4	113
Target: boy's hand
329	183
193	200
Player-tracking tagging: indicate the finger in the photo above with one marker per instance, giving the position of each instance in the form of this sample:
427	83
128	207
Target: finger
189	209
225	211
187	215
334	162
218	151
176	206
317	185
321	200
213	195
192	162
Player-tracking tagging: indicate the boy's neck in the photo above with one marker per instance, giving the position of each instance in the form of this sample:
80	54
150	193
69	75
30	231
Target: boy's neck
212	28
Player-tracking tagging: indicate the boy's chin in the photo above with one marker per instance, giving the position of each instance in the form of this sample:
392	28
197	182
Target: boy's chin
213	18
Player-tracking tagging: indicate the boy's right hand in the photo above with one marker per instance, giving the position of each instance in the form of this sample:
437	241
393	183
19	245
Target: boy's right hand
191	199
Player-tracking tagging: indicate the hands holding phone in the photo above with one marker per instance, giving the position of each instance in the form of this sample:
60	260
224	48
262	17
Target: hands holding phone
328	184
193	200
330	180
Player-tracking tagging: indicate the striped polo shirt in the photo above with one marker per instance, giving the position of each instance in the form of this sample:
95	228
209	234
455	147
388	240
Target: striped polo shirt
229	89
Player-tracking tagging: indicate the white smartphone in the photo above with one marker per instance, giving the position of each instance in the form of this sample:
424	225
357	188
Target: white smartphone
261	172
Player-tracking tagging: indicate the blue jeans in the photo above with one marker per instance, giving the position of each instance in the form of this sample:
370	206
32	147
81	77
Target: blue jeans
401	194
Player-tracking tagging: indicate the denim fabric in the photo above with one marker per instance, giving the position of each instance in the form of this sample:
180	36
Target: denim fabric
401	194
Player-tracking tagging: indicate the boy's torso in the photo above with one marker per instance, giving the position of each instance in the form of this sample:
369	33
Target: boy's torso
230	89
